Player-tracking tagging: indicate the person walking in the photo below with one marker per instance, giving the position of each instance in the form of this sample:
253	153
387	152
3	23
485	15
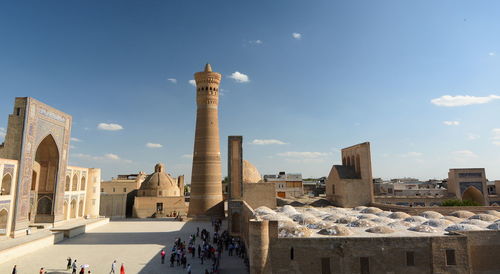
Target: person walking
113	267
122	269
74	266
189	269
14	270
68	266
42	271
162	253
82	271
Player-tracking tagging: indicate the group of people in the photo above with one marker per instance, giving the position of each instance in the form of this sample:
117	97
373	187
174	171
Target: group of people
207	247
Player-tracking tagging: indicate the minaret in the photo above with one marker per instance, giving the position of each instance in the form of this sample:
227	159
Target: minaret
206	177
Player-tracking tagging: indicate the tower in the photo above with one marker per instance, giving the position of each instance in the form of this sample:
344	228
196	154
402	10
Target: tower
206	177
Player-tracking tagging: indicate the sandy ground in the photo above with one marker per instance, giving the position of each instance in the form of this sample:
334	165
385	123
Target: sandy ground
136	243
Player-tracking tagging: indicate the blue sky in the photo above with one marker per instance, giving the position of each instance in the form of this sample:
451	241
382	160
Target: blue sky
418	79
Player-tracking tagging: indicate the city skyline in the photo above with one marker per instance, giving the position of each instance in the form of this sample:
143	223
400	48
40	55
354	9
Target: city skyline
424	91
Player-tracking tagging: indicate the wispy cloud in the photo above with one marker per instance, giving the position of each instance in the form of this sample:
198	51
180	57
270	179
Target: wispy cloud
492	53
461	155
267	142
472	136
496	136
192	82
462	100
172	80
239	77
105	157
187	156
297	35
451	123
255	42
3	132
153	145
411	154
109	127
74	139
303	154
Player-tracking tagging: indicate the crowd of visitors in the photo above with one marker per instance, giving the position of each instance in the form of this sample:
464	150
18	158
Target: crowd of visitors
202	245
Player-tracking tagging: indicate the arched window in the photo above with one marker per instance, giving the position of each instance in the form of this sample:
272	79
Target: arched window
358	165
74	183
82	184
292	255
6	184
67	185
4	216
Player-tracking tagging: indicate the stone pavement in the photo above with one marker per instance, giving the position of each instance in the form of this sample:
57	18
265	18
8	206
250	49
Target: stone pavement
136	243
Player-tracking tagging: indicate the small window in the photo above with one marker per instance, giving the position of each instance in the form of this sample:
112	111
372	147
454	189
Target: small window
410	258
160	192
113	189
291	254
18	111
102	189
124	189
364	265
450	257
333	189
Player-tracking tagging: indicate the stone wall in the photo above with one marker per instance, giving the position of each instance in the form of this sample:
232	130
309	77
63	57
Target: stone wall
145	207
259	194
484	251
113	205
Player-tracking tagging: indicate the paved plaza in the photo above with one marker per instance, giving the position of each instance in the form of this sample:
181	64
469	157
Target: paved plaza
136	243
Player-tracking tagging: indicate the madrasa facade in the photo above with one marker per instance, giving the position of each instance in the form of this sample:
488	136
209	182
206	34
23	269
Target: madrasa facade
38	187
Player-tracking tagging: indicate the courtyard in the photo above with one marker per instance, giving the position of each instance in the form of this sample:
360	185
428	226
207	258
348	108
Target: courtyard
133	242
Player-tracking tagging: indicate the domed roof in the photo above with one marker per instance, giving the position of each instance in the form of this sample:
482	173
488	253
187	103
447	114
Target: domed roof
160	182
250	173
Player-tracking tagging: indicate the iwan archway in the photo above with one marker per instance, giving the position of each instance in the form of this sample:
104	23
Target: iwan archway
44	181
473	194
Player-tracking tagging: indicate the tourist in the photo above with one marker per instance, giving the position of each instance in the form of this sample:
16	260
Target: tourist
42	271
189	269
199	251
113	267
14	270
162	253
183	261
122	269
172	259
68	266
74	266
82	271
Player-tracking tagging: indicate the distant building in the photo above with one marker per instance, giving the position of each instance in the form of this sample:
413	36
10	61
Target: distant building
431	188
314	187
117	195
469	184
288	185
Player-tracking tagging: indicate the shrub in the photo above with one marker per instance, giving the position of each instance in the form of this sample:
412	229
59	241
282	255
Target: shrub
459	203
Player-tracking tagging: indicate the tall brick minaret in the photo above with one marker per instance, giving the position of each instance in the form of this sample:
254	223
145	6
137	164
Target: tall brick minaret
206	177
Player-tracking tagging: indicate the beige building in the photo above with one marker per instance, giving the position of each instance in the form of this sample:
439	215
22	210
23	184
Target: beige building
287	185
38	186
206	179
468	184
117	195
160	196
350	184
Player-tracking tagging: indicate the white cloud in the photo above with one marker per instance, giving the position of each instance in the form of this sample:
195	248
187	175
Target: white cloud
492	53
112	156
192	82
187	156
267	142
105	157
412	154
153	145
239	77
472	136
462	100
3	132
110	127
496	136
172	80
464	154
451	123
256	42
303	154
297	35
74	139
